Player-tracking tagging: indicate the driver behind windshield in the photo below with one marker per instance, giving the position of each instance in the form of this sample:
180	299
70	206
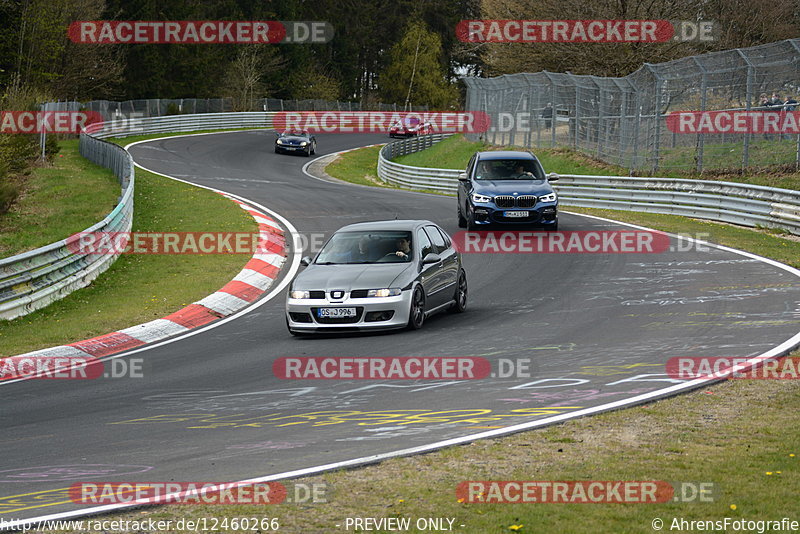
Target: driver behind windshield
403	248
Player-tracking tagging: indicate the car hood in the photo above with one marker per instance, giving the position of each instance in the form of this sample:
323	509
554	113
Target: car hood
357	276
509	187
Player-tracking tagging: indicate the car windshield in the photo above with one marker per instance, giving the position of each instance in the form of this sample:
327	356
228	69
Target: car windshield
294	133
367	247
509	169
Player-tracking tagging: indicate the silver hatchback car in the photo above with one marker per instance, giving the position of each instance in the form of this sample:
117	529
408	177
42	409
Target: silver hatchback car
375	276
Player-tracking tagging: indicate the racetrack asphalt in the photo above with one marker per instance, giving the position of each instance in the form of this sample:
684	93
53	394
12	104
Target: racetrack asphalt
595	328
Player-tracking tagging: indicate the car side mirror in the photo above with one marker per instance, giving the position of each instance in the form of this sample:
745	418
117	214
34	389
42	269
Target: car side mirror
462	176
553	177
431	257
305	261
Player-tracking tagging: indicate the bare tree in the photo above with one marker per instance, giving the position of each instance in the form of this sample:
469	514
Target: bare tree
244	77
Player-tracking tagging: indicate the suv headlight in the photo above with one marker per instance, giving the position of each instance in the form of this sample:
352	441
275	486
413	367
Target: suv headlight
476	197
300	294
548	198
390	292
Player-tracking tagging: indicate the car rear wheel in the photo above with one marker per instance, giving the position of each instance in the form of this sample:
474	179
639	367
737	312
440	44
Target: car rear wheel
416	316
460	298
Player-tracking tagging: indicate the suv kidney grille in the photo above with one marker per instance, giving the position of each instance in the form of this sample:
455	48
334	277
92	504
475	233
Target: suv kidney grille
504	201
507	201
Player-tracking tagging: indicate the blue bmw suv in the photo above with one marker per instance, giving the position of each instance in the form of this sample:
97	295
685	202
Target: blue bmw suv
508	188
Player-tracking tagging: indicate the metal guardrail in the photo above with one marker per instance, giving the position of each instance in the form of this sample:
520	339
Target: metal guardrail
122	126
736	203
34	279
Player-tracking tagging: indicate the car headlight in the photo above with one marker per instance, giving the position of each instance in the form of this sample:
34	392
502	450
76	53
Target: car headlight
303	143
476	197
390	292
548	198
280	141
300	294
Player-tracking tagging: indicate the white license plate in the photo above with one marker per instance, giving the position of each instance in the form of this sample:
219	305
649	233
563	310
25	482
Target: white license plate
516	214
336	312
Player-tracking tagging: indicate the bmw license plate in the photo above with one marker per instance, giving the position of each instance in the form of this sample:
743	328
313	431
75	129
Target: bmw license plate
336	312
516	214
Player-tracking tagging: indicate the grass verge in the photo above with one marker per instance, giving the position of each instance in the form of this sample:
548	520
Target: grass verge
59	200
358	166
140	288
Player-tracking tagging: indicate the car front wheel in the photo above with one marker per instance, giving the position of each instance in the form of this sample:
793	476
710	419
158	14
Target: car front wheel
416	314
460	298
462	222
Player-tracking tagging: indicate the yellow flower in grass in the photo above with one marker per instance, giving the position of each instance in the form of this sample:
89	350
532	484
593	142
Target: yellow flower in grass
515	527
733	507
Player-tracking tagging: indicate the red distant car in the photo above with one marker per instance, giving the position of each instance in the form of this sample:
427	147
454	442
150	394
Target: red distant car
410	127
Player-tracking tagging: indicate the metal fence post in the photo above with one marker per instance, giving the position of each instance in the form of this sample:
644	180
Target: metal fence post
703	101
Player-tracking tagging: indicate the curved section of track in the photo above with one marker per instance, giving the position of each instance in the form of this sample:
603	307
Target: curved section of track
596	329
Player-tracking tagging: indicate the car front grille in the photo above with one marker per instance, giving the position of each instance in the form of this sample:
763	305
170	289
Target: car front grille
504	201
507	201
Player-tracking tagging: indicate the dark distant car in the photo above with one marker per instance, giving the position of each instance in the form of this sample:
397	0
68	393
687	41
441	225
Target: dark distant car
410	127
377	276
508	188
296	142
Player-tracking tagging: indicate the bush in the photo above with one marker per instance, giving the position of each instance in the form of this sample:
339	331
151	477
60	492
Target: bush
8	194
173	109
51	147
18	152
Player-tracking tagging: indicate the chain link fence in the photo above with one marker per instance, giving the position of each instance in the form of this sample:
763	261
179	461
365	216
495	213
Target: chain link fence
622	120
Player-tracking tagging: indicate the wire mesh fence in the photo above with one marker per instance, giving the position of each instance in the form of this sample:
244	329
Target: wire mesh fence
623	120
